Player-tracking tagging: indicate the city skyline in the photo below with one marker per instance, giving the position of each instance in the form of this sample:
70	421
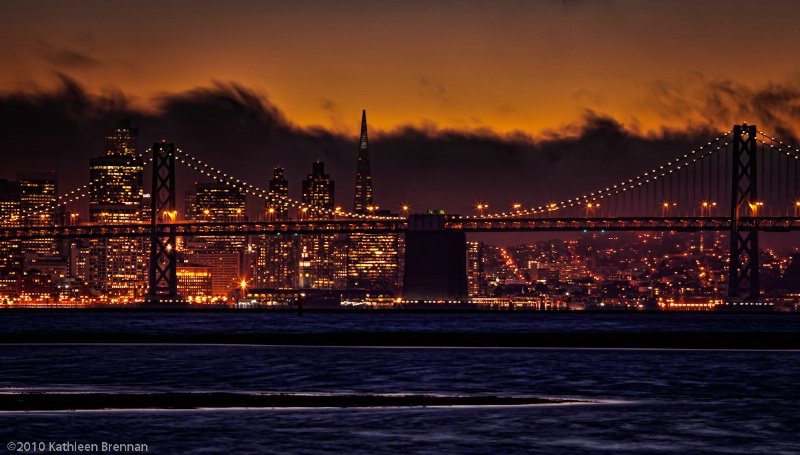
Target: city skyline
663	97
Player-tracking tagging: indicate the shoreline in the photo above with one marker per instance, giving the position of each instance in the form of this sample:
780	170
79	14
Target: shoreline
56	401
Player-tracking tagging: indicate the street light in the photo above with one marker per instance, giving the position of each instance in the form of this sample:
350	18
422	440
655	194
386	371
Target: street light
270	213
480	208
405	210
591	206
516	207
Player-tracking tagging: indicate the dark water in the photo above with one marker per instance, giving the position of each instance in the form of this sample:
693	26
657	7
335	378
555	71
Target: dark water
639	401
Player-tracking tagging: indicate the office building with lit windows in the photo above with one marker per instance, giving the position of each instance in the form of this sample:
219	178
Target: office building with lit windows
194	282
373	262
317	256
224	267
276	263
372	259
10	211
476	278
38	195
220	203
116	265
277	207
363	198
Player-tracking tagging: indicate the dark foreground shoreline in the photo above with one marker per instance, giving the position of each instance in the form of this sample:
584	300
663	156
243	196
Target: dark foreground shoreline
576	339
48	401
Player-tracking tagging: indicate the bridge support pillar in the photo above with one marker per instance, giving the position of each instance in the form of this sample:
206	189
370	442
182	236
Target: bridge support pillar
162	273
435	261
743	274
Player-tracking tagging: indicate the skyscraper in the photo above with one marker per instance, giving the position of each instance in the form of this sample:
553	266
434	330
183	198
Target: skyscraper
116	264
219	202
318	189
10	254
277	254
278	204
38	194
317	265
363	198
372	259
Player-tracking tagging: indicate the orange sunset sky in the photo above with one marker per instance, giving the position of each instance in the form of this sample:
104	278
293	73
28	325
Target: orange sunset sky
530	66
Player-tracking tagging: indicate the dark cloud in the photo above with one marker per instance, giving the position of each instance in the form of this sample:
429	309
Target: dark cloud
725	102
64	57
335	115
241	132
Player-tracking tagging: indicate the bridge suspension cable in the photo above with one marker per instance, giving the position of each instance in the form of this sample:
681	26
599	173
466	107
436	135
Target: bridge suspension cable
624	186
74	195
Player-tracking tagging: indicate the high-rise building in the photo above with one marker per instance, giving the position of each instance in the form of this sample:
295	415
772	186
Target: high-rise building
317	258
318	190
372	259
220	203
116	193
278	204
277	254
38	194
363	199
194	281
10	253
277	262
476	279
116	265
224	267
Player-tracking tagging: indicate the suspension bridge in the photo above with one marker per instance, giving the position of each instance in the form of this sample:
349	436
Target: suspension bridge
743	182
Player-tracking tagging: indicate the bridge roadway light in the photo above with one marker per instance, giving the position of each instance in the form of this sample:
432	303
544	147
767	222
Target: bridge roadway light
706	207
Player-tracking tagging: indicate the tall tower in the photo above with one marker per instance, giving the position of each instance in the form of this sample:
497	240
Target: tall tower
115	264
278	205
318	189
38	194
277	254
372	259
10	215
318	260
363	174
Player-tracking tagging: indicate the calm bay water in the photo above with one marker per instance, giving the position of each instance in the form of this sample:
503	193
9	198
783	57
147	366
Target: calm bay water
634	401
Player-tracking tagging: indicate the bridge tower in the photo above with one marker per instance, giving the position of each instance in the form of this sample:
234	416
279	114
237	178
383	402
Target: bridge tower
436	261
163	279
743	280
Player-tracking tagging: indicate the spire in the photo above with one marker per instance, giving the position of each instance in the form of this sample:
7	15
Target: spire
363	145
363	198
